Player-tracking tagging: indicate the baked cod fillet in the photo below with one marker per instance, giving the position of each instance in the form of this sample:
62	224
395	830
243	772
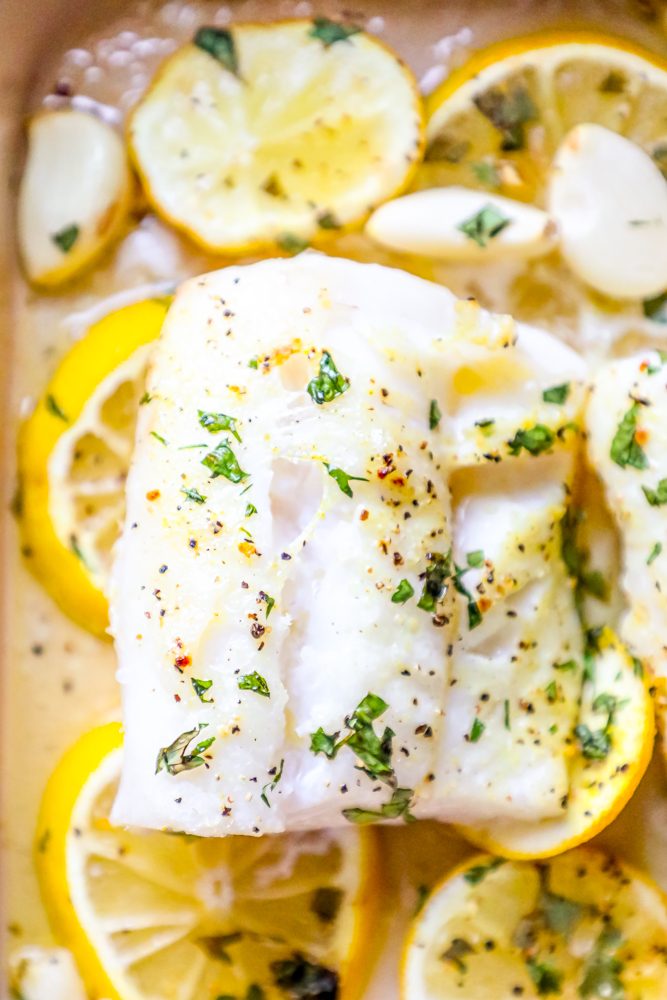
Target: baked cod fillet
335	595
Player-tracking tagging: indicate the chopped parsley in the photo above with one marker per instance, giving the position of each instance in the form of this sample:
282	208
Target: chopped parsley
343	479
595	745
475	559
55	409
484	225
603	968
201	687
373	750
301	979
329	32
219	43
456	952
326	903
506	714
270	602
193	494
534	440
577	559
176	758
478	873
146	398
158	437
557	393
254	682
546	978
65	238
76	549
223	462
655	552
271	785
486	173
435	578
566	665
658	496
434	415
397	807
329	383
403	592
485	425
551	691
476	731
253	363
508	111
250	509
327	220
656	308
291	243
560	914
662	358
625	449
216	422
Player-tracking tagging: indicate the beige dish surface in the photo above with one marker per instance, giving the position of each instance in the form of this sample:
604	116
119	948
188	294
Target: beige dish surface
58	681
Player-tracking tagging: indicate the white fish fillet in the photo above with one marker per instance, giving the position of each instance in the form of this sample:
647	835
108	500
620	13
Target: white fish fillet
194	574
634	388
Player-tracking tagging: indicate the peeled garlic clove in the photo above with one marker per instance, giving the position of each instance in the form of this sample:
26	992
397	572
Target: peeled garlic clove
75	193
460	224
610	202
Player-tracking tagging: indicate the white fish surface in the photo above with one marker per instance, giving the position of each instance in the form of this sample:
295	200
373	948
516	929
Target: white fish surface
627	442
282	580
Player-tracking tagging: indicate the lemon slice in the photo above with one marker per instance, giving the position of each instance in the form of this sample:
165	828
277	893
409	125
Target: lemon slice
612	747
74	453
582	925
273	134
171	917
497	122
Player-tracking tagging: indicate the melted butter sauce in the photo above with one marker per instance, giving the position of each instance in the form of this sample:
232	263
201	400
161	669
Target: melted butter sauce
62	682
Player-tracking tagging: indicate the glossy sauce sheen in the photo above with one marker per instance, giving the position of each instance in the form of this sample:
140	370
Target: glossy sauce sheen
62	681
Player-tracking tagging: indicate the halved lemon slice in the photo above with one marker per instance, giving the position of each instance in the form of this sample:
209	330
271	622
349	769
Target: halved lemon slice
611	749
171	917
74	453
583	925
496	122
276	134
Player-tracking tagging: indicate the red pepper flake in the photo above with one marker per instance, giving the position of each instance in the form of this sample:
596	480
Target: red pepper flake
363	516
181	662
152	494
177	697
641	436
484	604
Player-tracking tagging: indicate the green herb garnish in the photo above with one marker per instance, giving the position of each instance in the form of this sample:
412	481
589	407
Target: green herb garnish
476	731
271	785
55	409
546	978
658	496
65	238
158	437
329	32
475	559
343	479
557	393
484	225
329	383
201	687
656	308
625	449
603	968
478	873
403	592
219	43
193	494
373	751
254	682
486	173
534	440
434	414
250	509
508	111
176	758
398	806
291	243
655	552
300	979
456	952
215	422
435	576
223	462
